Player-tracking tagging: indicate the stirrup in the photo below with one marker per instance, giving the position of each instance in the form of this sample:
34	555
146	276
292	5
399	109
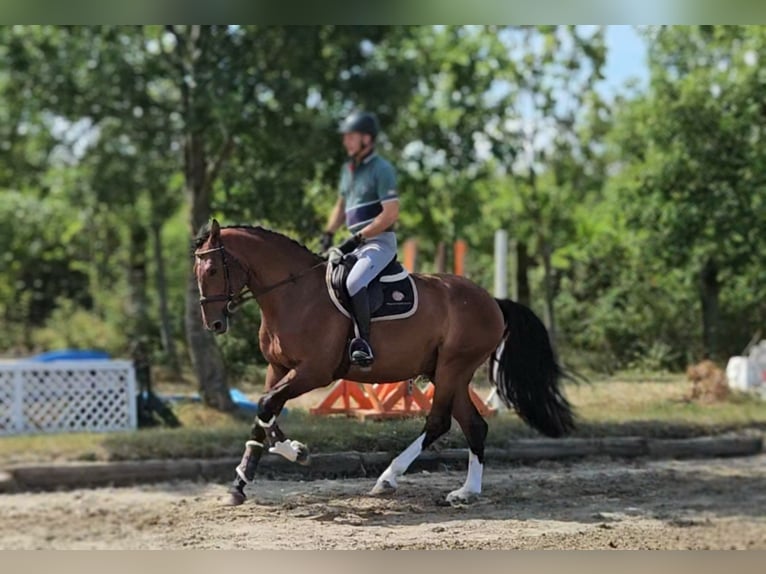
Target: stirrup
360	353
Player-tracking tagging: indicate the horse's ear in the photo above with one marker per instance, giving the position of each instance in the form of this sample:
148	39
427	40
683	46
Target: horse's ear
215	230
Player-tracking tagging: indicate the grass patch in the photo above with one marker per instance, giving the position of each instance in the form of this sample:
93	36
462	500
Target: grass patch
648	407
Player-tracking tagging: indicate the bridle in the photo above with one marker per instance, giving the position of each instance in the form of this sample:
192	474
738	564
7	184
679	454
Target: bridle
234	300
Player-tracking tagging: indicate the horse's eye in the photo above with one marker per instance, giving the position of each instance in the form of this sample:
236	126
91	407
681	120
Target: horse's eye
213	271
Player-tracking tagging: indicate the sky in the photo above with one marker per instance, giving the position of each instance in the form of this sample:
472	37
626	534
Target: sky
626	59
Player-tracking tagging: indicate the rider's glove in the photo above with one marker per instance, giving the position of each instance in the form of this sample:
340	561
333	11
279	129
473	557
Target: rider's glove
351	243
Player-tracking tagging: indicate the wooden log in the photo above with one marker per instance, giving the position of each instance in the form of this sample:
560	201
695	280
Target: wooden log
447	459
355	464
538	449
705	447
373	463
563	448
7	483
272	466
626	447
53	477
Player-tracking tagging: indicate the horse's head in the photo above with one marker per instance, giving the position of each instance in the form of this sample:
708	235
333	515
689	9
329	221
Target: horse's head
220	278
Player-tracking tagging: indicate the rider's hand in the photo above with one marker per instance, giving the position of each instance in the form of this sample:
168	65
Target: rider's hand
325	242
351	243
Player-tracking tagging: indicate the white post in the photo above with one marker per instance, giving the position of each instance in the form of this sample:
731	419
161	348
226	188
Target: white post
132	407
18	399
501	264
501	291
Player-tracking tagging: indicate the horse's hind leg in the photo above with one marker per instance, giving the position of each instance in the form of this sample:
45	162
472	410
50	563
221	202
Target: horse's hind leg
475	430
438	422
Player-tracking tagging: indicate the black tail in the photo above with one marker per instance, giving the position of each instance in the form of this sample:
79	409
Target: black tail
528	374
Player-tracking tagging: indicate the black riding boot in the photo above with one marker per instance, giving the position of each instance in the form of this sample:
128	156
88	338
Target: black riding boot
359	351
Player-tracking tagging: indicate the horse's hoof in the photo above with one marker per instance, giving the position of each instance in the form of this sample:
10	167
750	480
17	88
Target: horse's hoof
235	498
383	487
303	456
461	497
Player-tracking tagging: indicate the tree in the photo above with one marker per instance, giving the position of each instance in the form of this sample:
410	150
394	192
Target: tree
694	158
255	100
451	129
558	122
112	80
224	97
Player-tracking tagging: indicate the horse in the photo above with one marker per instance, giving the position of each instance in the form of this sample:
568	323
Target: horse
457	327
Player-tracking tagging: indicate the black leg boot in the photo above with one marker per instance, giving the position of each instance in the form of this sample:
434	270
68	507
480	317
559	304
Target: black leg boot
359	351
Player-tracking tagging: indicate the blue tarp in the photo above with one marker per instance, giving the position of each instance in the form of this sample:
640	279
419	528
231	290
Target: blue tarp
238	397
70	355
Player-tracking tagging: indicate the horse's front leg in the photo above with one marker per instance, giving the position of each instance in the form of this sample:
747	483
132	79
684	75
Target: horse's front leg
265	433
255	446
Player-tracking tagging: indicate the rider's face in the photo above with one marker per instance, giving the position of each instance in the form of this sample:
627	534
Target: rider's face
354	142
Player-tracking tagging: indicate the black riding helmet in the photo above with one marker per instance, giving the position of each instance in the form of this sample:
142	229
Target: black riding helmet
362	122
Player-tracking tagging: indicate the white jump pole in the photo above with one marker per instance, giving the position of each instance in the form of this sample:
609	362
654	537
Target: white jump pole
501	264
501	290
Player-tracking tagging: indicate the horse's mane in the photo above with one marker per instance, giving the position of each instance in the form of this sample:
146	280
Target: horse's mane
204	234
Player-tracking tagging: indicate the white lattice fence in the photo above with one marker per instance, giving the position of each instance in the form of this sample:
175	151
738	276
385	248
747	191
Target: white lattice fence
67	396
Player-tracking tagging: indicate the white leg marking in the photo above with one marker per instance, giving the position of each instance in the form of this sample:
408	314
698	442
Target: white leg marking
496	362
472	487
387	481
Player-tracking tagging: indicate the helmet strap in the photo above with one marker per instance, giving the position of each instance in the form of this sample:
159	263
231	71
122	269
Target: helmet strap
364	151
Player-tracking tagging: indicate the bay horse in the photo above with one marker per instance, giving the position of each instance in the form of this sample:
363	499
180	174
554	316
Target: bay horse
457	327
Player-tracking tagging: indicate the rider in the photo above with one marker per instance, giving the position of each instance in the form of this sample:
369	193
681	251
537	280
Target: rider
369	204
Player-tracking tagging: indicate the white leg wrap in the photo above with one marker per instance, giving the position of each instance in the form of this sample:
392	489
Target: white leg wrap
472	487
398	466
241	474
263	424
249	445
289	449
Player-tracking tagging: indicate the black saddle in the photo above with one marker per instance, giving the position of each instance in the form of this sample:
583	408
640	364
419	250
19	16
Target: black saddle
392	293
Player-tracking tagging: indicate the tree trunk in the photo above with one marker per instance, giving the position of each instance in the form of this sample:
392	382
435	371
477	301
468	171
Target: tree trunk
441	258
523	262
206	357
709	291
550	315
166	331
137	300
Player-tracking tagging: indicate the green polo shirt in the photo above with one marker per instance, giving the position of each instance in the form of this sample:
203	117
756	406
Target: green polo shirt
365	188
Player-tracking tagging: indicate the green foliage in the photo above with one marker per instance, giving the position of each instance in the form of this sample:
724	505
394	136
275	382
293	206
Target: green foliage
692	159
71	327
622	205
42	259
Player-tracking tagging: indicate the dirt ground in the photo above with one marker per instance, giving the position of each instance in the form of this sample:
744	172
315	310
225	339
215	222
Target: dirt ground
703	504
